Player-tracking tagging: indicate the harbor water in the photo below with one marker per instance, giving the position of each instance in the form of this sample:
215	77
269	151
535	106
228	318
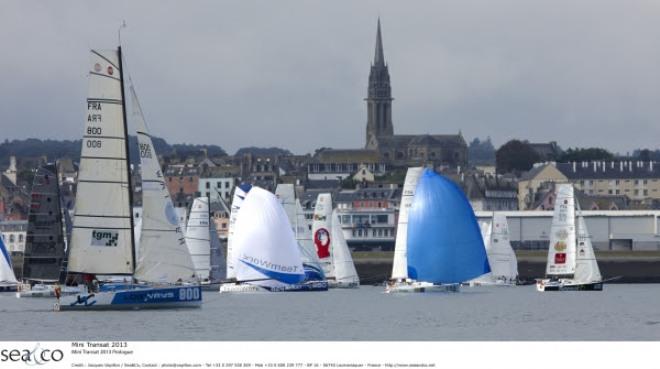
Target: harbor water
620	312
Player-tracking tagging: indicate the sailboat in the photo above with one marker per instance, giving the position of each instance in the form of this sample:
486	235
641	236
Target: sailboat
501	258
102	239
8	282
266	255
204	245
571	264
198	238
313	270
438	244
331	247
44	256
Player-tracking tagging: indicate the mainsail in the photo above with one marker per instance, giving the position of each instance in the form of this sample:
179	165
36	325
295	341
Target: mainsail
44	247
164	257
239	196
444	241
344	268
400	265
265	252
198	238
321	226
586	266
501	258
561	251
6	270
102	236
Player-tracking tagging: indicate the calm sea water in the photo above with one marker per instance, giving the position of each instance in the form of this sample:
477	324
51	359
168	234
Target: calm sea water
621	312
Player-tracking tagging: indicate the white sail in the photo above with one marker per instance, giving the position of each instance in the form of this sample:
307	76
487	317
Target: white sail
164	257
6	270
586	266
265	251
198	237
239	195
561	250
400	265
344	268
101	239
501	258
321	227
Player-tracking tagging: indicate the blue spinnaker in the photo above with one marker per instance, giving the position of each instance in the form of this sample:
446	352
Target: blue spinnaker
444	240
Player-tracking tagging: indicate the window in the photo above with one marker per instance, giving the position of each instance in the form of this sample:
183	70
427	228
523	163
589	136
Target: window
218	184
20	238
190	179
208	185
617	192
609	192
646	192
227	184
11	238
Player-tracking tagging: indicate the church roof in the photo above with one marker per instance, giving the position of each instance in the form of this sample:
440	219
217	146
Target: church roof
346	156
405	140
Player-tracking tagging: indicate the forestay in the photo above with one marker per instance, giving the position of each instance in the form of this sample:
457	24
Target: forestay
400	265
164	257
444	240
198	238
561	251
101	240
265	249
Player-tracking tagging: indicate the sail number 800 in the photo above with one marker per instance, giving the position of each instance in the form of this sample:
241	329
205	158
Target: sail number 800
187	294
94	130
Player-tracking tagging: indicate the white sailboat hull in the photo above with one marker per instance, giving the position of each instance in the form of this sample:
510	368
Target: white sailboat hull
416	286
342	284
8	287
135	298
543	285
495	282
251	288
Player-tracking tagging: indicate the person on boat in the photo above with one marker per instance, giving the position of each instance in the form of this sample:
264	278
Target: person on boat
91	282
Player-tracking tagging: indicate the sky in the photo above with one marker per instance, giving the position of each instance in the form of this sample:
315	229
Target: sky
293	74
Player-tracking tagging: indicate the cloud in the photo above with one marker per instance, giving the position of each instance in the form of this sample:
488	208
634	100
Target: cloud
294	73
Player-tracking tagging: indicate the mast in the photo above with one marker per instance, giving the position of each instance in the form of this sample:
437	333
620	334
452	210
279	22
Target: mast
128	157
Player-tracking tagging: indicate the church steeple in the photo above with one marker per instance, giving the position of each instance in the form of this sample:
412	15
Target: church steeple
379	97
379	58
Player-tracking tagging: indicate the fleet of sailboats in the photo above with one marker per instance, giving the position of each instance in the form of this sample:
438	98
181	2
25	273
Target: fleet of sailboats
571	264
270	247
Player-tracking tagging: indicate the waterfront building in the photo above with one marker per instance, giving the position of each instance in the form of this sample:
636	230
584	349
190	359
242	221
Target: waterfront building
14	234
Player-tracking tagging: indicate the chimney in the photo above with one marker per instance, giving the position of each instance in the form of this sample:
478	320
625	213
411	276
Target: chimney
620	166
595	163
574	164
612	165
604	166
630	166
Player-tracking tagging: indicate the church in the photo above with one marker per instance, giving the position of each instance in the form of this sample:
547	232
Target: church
403	150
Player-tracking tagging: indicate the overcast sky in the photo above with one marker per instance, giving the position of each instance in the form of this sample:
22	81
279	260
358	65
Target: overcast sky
294	74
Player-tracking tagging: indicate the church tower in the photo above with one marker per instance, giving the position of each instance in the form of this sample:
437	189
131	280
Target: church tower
379	98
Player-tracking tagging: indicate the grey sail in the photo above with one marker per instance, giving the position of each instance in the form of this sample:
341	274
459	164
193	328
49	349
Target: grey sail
218	270
44	247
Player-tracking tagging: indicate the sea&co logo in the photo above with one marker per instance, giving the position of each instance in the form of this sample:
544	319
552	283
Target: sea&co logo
33	357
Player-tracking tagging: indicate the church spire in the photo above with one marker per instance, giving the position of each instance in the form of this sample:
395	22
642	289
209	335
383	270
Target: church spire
379	58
